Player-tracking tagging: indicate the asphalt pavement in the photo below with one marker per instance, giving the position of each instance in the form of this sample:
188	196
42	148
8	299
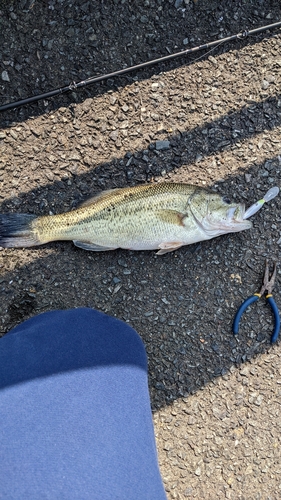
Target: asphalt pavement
213	120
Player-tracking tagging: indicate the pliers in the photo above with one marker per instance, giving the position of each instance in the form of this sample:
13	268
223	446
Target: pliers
267	285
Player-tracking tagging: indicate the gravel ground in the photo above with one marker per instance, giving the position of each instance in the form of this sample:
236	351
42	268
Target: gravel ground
215	399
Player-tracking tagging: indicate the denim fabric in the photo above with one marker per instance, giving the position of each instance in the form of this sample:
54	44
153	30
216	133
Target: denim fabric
75	411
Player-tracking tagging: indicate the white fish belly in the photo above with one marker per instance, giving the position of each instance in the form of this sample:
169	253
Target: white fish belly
146	234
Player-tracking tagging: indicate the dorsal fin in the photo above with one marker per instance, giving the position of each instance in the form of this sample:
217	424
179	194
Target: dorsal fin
97	197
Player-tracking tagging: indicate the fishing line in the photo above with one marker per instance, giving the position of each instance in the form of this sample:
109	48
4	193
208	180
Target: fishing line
92	80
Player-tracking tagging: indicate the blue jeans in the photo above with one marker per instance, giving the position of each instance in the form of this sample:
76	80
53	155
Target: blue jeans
75	417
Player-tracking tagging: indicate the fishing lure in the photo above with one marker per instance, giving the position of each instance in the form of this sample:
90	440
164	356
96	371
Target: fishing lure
271	193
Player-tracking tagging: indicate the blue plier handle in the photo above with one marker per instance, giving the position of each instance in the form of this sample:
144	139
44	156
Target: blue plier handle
267	285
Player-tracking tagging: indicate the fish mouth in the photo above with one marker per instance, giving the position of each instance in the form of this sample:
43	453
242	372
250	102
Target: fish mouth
234	219
232	222
236	213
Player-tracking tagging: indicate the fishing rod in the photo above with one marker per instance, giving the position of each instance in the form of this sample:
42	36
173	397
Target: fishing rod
90	81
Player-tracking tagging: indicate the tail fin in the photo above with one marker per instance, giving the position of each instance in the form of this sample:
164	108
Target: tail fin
16	231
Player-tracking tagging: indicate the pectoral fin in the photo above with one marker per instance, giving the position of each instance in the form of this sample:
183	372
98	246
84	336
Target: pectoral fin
169	247
171	217
91	246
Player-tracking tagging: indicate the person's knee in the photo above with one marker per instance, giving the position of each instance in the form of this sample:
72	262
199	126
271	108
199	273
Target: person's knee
58	341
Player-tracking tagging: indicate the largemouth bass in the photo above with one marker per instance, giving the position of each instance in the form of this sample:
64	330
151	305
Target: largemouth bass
162	216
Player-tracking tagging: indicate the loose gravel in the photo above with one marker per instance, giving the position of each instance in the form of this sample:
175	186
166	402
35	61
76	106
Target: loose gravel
212	120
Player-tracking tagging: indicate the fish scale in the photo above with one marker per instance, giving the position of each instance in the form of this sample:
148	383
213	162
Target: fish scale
162	216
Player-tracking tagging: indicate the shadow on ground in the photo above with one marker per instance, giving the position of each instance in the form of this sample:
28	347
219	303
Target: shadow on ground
183	303
63	43
184	148
184	318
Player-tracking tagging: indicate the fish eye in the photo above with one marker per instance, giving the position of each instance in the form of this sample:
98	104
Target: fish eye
226	200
